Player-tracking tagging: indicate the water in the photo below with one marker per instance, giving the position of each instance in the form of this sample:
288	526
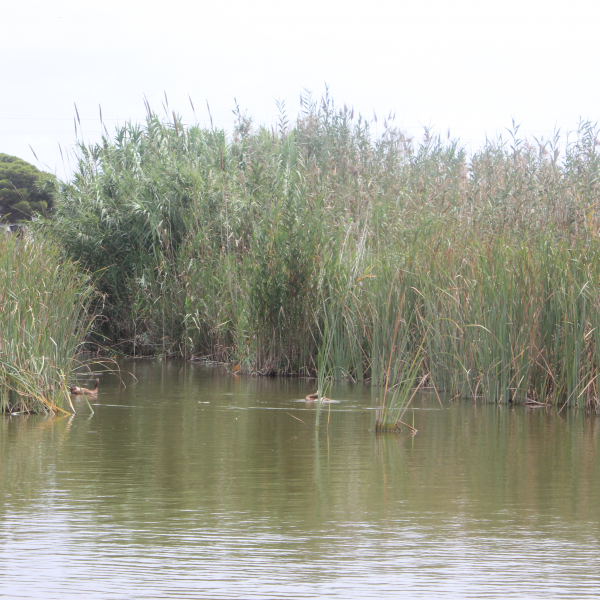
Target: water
198	484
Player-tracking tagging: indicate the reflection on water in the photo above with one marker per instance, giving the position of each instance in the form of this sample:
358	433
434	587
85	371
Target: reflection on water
197	484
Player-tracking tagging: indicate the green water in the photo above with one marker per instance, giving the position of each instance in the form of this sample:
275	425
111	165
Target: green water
197	484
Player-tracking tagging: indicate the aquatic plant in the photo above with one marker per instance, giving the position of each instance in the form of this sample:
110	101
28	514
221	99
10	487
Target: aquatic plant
247	248
44	304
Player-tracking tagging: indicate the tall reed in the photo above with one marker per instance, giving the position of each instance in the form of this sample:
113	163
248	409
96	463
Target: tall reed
242	248
43	318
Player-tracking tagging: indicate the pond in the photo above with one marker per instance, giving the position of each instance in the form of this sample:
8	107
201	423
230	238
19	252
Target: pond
194	483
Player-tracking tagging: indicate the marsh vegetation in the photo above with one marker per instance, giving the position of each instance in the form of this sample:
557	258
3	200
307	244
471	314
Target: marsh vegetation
316	247
44	302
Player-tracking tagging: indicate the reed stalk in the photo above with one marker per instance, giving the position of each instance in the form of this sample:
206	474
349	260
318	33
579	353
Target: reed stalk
267	246
43	320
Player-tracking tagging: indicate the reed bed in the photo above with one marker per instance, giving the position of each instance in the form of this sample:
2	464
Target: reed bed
316	247
44	304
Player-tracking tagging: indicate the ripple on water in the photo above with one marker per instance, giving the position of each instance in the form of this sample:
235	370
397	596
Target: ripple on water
191	496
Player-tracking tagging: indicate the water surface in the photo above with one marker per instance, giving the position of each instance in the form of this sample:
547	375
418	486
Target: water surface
198	484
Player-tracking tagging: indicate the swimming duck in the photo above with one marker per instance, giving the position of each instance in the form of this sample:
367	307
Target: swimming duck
314	397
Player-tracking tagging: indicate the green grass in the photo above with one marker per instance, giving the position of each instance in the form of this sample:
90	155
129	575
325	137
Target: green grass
315	247
43	318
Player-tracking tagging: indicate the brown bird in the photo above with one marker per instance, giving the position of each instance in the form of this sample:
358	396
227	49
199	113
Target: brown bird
78	391
314	397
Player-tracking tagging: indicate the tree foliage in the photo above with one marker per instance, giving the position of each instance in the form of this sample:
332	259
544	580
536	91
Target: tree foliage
24	190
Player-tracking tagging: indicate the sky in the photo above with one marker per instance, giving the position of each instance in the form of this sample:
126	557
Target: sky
469	67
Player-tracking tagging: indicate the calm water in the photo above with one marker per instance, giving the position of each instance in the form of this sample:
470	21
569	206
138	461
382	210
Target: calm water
197	484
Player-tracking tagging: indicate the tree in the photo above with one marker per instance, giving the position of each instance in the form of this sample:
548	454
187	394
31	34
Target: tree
24	190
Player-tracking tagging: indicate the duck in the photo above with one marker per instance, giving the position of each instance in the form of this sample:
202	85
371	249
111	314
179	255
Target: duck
78	391
314	397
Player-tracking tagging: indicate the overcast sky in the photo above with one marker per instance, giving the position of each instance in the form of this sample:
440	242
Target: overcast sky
469	66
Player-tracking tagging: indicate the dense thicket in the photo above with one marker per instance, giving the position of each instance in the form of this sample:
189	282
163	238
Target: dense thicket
43	320
275	248
24	190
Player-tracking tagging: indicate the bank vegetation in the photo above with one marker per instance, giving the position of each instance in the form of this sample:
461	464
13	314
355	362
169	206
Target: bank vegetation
44	317
316	246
